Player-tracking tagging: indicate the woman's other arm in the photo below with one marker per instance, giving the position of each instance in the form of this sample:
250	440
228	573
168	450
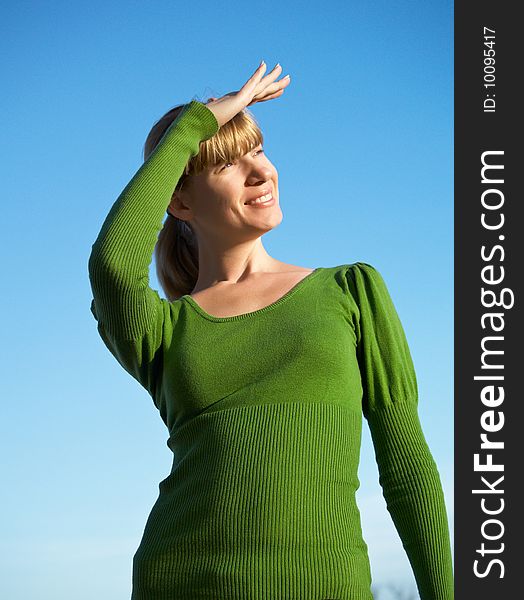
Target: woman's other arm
407	472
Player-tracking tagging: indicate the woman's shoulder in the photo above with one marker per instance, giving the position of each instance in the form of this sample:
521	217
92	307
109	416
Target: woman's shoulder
357	279
289	268
356	269
361	266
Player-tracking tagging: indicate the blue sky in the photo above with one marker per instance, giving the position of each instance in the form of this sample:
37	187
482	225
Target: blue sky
363	142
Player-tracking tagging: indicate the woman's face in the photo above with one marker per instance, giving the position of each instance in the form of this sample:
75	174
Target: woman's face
215	200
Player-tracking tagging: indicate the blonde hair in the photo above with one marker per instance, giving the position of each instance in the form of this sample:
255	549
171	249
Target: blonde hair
176	250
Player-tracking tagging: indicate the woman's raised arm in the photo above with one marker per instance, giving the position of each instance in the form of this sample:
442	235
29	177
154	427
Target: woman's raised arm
120	257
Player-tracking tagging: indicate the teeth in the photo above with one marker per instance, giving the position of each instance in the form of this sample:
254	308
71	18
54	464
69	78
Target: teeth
260	199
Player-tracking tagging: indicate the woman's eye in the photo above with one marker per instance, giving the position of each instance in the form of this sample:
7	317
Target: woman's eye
225	165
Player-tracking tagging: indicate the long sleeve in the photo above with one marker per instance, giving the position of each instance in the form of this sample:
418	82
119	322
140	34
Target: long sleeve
407	471
131	316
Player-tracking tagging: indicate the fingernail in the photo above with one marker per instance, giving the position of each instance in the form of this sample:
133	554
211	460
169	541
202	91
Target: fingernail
261	63
286	77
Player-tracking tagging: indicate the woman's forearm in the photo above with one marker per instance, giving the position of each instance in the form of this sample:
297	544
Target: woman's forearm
414	497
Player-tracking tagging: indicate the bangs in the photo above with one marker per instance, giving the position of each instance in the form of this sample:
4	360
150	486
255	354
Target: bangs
237	137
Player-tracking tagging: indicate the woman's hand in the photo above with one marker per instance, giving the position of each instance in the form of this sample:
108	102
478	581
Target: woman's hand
256	89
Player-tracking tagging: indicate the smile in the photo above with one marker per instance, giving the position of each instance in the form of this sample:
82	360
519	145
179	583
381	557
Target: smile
266	200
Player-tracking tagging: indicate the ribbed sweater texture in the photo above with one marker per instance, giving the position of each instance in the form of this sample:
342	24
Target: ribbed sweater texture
264	416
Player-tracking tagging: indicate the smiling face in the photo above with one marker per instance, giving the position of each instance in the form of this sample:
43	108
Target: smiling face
214	200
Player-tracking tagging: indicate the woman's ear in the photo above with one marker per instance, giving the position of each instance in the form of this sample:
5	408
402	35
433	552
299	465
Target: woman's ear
174	204
177	208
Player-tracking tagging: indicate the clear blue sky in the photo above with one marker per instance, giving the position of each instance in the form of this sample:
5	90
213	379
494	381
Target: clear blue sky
363	141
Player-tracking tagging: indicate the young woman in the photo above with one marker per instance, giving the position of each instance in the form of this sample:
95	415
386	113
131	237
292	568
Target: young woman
261	371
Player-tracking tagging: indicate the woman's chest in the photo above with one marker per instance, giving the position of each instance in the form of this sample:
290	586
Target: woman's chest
299	351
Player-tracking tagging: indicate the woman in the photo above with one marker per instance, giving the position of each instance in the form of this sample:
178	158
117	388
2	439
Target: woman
261	371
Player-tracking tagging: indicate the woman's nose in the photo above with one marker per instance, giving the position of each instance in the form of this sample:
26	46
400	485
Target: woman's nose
258	173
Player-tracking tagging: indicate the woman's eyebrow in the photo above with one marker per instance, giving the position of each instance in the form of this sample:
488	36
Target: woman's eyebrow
224	161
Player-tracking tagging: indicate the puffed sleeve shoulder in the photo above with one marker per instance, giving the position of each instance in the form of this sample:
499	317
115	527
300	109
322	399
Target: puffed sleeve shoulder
387	371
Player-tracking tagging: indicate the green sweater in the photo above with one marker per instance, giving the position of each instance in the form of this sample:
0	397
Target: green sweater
264	414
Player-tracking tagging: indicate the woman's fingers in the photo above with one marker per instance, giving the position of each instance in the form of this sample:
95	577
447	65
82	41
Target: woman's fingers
268	79
272	88
253	81
258	88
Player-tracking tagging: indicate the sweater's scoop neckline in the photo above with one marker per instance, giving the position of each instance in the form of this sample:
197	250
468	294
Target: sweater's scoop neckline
194	304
